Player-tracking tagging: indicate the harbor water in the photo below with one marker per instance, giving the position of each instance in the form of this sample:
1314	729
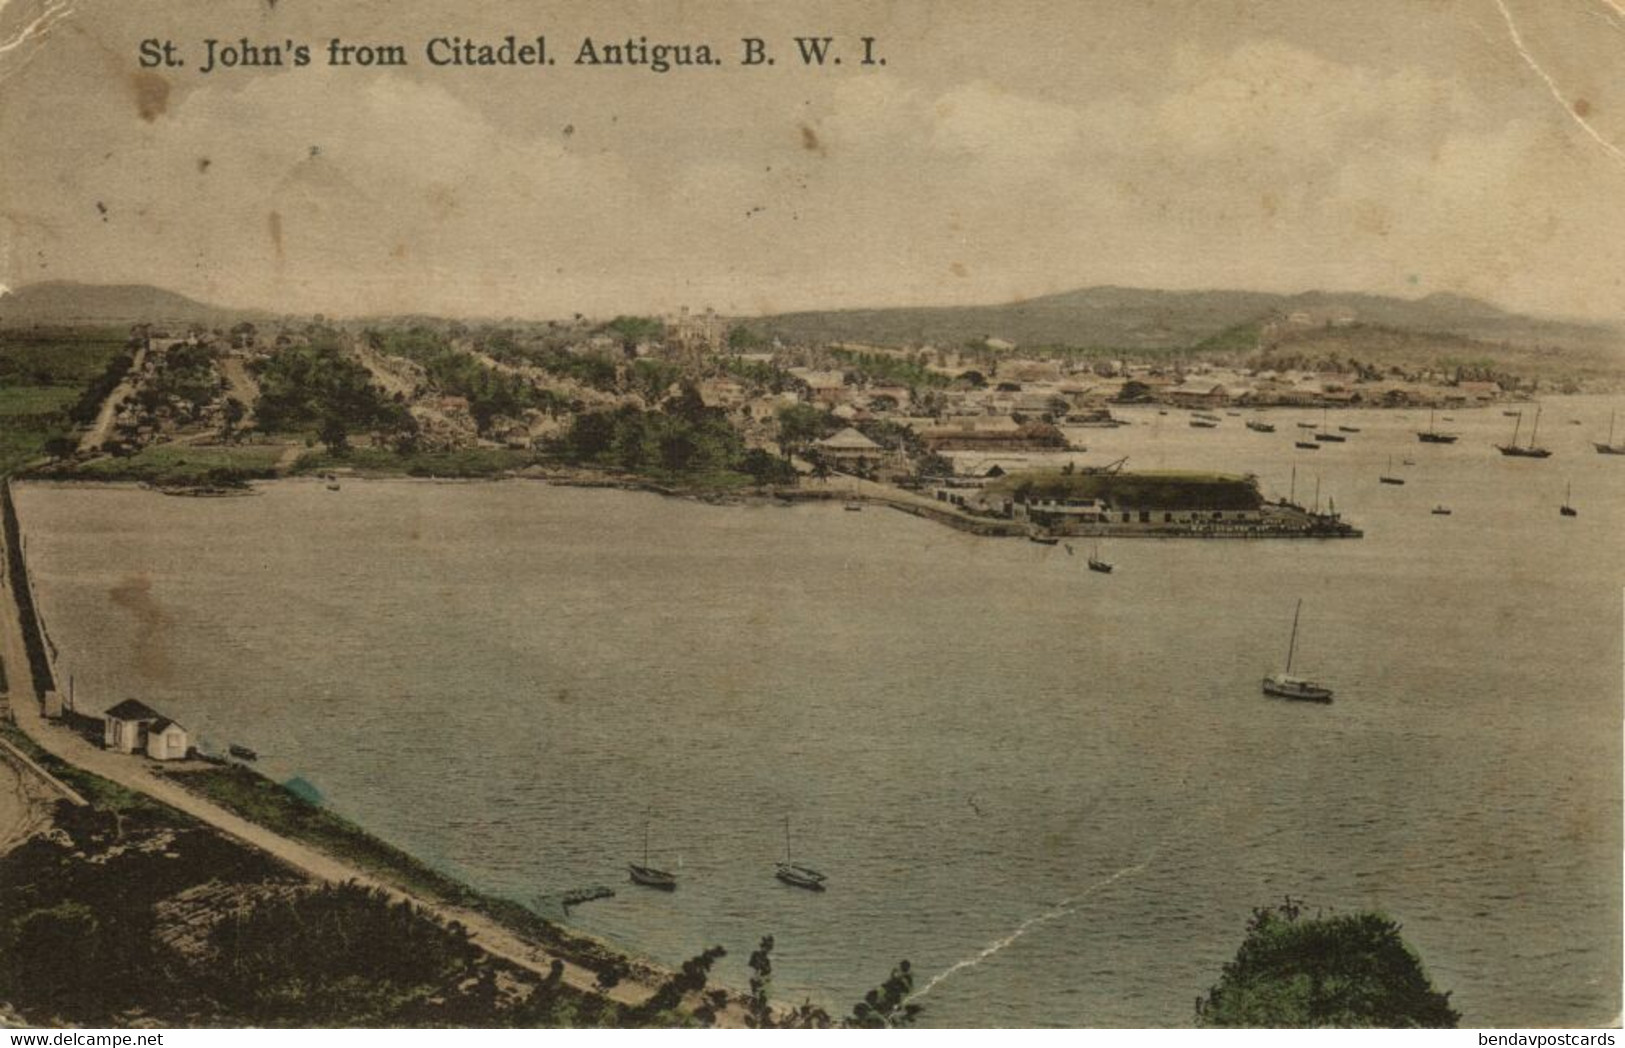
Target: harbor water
1059	794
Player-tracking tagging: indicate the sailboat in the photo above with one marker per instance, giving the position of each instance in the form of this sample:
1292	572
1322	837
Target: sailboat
1530	450
1325	435
1096	564
1610	448
1388	477
1284	685
1433	436
1566	509
650	876
1259	427
795	874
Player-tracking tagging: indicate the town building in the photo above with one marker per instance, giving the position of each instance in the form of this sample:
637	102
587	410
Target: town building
849	447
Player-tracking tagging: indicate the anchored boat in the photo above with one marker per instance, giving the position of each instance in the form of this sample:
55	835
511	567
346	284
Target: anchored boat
1610	448
1530	450
1433	436
1096	564
795	874
1284	685
650	876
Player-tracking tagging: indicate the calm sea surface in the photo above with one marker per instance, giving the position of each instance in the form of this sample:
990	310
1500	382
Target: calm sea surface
1059	794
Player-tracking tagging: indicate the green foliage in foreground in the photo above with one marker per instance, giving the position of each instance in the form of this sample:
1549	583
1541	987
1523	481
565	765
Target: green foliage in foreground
129	916
1347	970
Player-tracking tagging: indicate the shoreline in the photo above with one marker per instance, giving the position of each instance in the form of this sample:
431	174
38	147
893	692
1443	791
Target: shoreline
504	929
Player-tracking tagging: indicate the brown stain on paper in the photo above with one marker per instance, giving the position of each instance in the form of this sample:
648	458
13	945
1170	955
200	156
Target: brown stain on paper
274	225
151	93
133	593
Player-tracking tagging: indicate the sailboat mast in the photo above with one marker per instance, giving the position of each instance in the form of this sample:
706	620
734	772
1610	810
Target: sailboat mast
1516	422
1536	430
1293	497
646	842
786	838
1292	645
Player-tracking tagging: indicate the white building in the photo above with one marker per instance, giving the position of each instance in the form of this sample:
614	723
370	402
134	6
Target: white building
132	726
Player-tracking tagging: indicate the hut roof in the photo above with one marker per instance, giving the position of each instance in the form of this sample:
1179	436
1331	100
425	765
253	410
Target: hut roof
849	439
133	710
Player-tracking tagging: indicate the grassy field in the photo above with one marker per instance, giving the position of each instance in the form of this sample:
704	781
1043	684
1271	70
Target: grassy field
181	464
41	377
29	417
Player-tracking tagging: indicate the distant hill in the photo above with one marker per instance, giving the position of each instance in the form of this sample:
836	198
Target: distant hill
1107	317
1131	319
61	302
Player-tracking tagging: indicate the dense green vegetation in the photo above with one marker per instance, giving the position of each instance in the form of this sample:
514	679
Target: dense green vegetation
632	330
1211	491
184	376
887	368
317	385
801	424
681	442
491	394
459	462
1346	970
763	375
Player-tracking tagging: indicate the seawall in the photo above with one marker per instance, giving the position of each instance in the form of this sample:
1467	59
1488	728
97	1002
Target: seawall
22	591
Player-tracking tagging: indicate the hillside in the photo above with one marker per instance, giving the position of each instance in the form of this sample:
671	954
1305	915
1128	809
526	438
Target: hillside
1127	319
1133	319
62	302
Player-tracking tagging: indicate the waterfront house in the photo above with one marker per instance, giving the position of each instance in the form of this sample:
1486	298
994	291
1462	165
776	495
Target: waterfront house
166	740
849	446
133	726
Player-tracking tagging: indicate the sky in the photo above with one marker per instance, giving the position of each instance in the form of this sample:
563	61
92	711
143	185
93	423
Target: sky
1003	151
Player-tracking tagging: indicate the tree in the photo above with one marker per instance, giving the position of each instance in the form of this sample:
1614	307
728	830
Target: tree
803	423
758	1010
231	414
1347	970
887	1006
